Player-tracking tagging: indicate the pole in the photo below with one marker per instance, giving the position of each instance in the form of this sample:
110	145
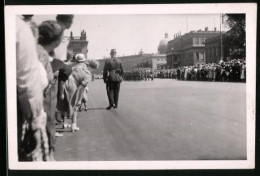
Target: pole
187	24
172	57
172	61
221	44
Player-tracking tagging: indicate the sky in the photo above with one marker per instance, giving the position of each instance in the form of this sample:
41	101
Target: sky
129	34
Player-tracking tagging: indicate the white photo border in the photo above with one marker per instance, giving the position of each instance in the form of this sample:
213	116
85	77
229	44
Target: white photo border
250	9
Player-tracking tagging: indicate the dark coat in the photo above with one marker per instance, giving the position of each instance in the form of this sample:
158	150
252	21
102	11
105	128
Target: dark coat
113	69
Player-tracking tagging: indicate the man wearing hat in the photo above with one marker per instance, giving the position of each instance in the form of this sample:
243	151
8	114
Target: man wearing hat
113	76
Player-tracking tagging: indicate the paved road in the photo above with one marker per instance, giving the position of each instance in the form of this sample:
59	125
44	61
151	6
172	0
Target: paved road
160	120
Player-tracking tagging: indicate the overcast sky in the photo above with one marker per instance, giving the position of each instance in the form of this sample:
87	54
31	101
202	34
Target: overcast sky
131	33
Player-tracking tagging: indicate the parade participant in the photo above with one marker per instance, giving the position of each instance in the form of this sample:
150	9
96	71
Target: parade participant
113	76
31	80
50	34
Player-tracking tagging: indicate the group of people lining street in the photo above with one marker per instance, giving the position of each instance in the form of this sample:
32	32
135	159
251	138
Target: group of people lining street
50	84
230	71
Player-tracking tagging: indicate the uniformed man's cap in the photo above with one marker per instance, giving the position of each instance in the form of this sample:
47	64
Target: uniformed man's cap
113	51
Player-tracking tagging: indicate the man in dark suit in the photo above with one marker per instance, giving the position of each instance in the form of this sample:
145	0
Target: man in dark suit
113	76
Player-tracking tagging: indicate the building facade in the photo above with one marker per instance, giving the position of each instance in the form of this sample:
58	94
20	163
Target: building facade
153	61
188	49
162	48
213	49
142	60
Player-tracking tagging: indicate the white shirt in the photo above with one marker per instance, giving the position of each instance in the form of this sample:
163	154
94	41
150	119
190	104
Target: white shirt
30	76
61	50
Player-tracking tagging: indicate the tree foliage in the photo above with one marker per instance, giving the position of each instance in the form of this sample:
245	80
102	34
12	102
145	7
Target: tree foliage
235	38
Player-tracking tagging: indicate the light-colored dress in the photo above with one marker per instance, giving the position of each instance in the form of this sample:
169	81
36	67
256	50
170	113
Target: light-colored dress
61	50
74	88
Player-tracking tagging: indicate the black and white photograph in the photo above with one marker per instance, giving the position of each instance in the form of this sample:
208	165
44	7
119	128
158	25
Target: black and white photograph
131	86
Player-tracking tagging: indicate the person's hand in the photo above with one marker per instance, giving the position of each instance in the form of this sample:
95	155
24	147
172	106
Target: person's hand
56	74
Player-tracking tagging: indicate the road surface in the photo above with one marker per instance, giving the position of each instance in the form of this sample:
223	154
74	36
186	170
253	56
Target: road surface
164	119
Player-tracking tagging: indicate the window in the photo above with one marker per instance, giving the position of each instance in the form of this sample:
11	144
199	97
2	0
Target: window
196	41
201	41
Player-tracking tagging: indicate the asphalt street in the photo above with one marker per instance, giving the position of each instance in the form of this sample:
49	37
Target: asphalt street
164	119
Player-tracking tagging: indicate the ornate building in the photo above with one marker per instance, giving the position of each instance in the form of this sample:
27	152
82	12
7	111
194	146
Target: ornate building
162	48
78	44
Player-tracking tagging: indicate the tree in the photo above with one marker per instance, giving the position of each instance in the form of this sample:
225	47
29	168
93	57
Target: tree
235	38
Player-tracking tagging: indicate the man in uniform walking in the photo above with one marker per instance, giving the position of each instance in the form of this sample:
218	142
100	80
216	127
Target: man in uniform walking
113	76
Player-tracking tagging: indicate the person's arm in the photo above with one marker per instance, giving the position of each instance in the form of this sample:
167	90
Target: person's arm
86	79
105	72
122	69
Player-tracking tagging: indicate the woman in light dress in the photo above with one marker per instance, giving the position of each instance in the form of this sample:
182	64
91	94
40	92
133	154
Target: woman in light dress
73	88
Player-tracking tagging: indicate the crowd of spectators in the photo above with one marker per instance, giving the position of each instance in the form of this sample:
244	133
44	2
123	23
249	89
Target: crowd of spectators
230	71
50	84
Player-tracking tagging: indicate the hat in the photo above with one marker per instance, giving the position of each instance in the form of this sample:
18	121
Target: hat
113	51
80	57
93	64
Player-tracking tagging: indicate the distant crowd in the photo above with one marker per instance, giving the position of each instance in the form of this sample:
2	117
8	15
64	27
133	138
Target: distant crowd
231	71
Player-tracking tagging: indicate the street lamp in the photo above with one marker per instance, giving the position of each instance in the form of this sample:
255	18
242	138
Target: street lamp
172	56
140	58
221	43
